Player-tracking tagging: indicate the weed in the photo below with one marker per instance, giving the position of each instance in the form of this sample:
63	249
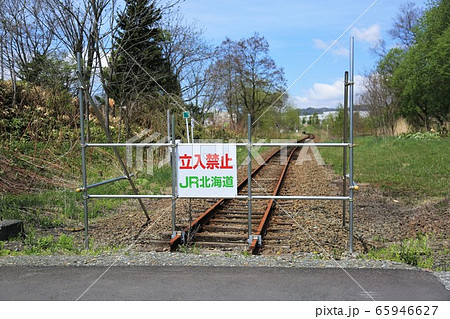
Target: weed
415	252
4	252
419	136
246	253
49	245
379	239
95	249
187	249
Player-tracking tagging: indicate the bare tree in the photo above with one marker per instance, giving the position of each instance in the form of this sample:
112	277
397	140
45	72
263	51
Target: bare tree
382	104
259	77
224	79
188	54
22	37
405	23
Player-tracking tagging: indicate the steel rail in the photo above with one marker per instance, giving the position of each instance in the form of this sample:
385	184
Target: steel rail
264	223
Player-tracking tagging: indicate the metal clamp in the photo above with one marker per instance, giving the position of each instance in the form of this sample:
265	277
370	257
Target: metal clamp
354	186
182	235
253	237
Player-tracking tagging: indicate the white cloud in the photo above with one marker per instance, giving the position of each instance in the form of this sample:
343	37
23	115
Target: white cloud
326	95
336	50
371	35
341	51
320	44
322	91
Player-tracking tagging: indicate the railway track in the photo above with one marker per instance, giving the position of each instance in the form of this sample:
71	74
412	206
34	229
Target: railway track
224	225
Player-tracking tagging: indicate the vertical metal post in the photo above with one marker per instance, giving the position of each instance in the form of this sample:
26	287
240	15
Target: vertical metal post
344	149
83	152
168	126
174	178
192	140
192	129
249	176
187	130
350	163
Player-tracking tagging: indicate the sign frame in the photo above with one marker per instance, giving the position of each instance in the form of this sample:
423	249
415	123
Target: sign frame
206	170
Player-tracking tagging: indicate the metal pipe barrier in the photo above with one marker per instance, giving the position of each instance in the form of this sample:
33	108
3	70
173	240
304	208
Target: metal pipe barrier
348	95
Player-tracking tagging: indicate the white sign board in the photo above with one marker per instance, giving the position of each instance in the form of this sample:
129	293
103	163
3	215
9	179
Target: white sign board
206	170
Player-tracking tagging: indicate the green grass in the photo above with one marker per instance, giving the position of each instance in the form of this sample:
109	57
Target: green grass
405	166
64	245
47	209
415	252
189	249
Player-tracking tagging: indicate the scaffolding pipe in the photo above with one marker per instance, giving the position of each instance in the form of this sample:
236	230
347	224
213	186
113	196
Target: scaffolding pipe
344	149
112	180
192	130
174	178
350	164
83	153
237	144
168	127
99	116
249	177
242	197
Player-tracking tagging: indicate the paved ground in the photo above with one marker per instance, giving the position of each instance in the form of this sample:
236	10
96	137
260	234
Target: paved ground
217	283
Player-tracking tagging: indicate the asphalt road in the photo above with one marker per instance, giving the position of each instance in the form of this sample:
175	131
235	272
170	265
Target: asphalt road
217	283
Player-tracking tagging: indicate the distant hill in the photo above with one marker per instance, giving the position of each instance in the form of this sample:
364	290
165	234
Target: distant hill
311	110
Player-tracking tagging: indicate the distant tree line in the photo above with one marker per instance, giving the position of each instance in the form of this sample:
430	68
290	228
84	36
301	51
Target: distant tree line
140	58
411	80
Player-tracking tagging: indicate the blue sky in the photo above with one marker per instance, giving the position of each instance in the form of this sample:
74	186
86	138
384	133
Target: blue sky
298	32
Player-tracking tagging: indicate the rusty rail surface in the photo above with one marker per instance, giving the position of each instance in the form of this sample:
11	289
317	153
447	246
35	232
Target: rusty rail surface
262	228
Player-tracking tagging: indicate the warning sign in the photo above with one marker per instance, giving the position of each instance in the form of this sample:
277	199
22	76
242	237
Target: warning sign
207	170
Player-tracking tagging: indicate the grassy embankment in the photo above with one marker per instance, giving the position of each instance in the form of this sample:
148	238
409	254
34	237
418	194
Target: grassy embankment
404	166
38	182
415	168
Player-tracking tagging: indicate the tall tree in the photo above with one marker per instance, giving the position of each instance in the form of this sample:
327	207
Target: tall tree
424	73
139	64
260	80
249	79
224	79
139	68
